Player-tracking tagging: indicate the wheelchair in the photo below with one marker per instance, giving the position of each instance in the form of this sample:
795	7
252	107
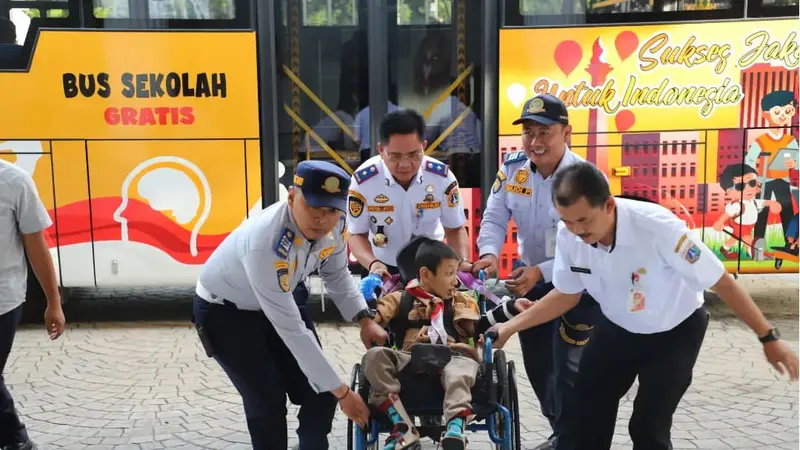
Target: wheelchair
495	402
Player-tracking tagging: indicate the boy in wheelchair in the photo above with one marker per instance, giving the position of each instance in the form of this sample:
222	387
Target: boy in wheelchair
437	313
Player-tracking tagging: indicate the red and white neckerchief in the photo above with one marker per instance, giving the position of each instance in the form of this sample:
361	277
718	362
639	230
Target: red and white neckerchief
436	331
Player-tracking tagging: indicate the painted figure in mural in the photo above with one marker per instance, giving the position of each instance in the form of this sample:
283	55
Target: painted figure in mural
774	154
743	209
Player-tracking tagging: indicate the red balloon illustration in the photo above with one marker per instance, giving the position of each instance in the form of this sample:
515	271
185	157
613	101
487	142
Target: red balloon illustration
624	120
626	43
568	54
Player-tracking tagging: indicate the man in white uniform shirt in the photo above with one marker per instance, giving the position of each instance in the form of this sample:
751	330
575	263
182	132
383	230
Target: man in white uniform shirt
248	320
648	272
402	193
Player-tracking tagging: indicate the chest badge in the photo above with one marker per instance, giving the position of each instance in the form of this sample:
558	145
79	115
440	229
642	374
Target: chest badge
522	176
381	198
380	240
429	189
388	220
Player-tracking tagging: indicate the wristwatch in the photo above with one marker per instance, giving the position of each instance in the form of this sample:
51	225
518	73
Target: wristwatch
364	314
772	335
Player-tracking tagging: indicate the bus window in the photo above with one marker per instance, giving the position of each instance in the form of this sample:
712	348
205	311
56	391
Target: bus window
166	9
772	8
578	12
330	13
428	12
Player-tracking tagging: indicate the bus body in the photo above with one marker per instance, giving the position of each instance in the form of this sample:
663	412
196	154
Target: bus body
153	128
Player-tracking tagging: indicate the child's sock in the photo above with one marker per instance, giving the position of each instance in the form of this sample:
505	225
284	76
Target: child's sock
394	416
456	425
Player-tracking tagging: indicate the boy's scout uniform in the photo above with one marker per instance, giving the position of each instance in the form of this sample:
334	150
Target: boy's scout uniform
461	316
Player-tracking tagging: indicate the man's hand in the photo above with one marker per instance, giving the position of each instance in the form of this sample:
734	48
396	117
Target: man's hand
503	333
465	266
521	304
352	405
372	333
523	280
782	358
489	265
380	268
54	321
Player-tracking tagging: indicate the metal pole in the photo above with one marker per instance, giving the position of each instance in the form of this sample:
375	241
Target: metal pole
268	100
491	34
378	48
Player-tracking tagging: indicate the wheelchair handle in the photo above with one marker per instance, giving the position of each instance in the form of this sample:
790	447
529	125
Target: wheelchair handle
491	335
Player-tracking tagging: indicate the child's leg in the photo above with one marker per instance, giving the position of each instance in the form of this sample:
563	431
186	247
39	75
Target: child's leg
381	366
458	377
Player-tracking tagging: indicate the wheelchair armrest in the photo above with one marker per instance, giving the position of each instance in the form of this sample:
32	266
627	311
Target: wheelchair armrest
429	358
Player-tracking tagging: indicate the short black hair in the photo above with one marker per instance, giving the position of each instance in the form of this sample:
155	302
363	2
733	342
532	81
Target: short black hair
402	121
580	180
734	171
431	254
8	32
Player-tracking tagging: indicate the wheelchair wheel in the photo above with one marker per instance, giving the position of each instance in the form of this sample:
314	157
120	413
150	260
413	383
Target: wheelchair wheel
357	384
503	397
513	396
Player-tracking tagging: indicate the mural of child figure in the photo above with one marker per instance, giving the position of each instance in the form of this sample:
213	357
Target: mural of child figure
743	208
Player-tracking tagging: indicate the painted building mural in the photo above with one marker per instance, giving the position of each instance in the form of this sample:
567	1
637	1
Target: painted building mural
702	117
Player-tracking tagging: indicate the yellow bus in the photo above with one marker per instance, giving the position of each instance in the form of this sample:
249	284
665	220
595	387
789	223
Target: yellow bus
154	127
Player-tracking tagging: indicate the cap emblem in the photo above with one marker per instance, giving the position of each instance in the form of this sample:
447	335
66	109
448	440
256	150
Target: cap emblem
331	185
536	106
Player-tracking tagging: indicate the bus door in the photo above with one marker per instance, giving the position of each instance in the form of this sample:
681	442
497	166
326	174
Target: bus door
429	60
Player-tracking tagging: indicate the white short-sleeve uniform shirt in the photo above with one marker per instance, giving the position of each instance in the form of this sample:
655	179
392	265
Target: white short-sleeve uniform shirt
653	276
391	215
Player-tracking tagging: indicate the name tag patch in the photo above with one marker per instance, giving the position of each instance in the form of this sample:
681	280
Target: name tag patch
521	190
577	269
385	208
429	205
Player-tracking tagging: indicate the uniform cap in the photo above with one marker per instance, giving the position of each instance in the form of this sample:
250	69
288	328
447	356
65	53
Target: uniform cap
323	184
544	109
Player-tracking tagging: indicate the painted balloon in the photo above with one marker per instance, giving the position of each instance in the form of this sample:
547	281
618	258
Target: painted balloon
624	120
626	43
568	54
516	94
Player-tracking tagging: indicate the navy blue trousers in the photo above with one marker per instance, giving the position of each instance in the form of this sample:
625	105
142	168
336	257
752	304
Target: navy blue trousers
551	363
11	428
264	372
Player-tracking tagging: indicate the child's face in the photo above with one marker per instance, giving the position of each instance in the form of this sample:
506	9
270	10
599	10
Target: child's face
444	281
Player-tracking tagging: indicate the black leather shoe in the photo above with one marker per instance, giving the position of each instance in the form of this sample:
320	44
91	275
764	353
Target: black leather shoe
27	445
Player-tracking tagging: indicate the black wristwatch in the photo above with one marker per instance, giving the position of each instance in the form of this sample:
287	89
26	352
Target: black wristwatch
364	314
772	335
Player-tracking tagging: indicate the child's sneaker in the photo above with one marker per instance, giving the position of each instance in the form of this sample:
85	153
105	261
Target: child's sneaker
399	439
453	438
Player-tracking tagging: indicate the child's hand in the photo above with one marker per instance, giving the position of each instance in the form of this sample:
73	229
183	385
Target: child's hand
719	225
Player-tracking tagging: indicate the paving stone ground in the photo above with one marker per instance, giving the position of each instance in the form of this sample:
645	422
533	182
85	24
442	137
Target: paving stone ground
130	374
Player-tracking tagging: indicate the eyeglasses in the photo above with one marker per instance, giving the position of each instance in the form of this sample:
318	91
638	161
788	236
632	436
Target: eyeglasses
751	183
398	157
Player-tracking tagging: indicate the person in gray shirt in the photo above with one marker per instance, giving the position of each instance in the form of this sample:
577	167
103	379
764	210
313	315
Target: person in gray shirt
248	321
23	219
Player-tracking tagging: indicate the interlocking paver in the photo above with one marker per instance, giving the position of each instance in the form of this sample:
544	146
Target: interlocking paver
147	385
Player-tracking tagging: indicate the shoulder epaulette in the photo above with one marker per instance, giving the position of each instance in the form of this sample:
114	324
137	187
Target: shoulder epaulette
436	167
366	173
284	243
512	158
